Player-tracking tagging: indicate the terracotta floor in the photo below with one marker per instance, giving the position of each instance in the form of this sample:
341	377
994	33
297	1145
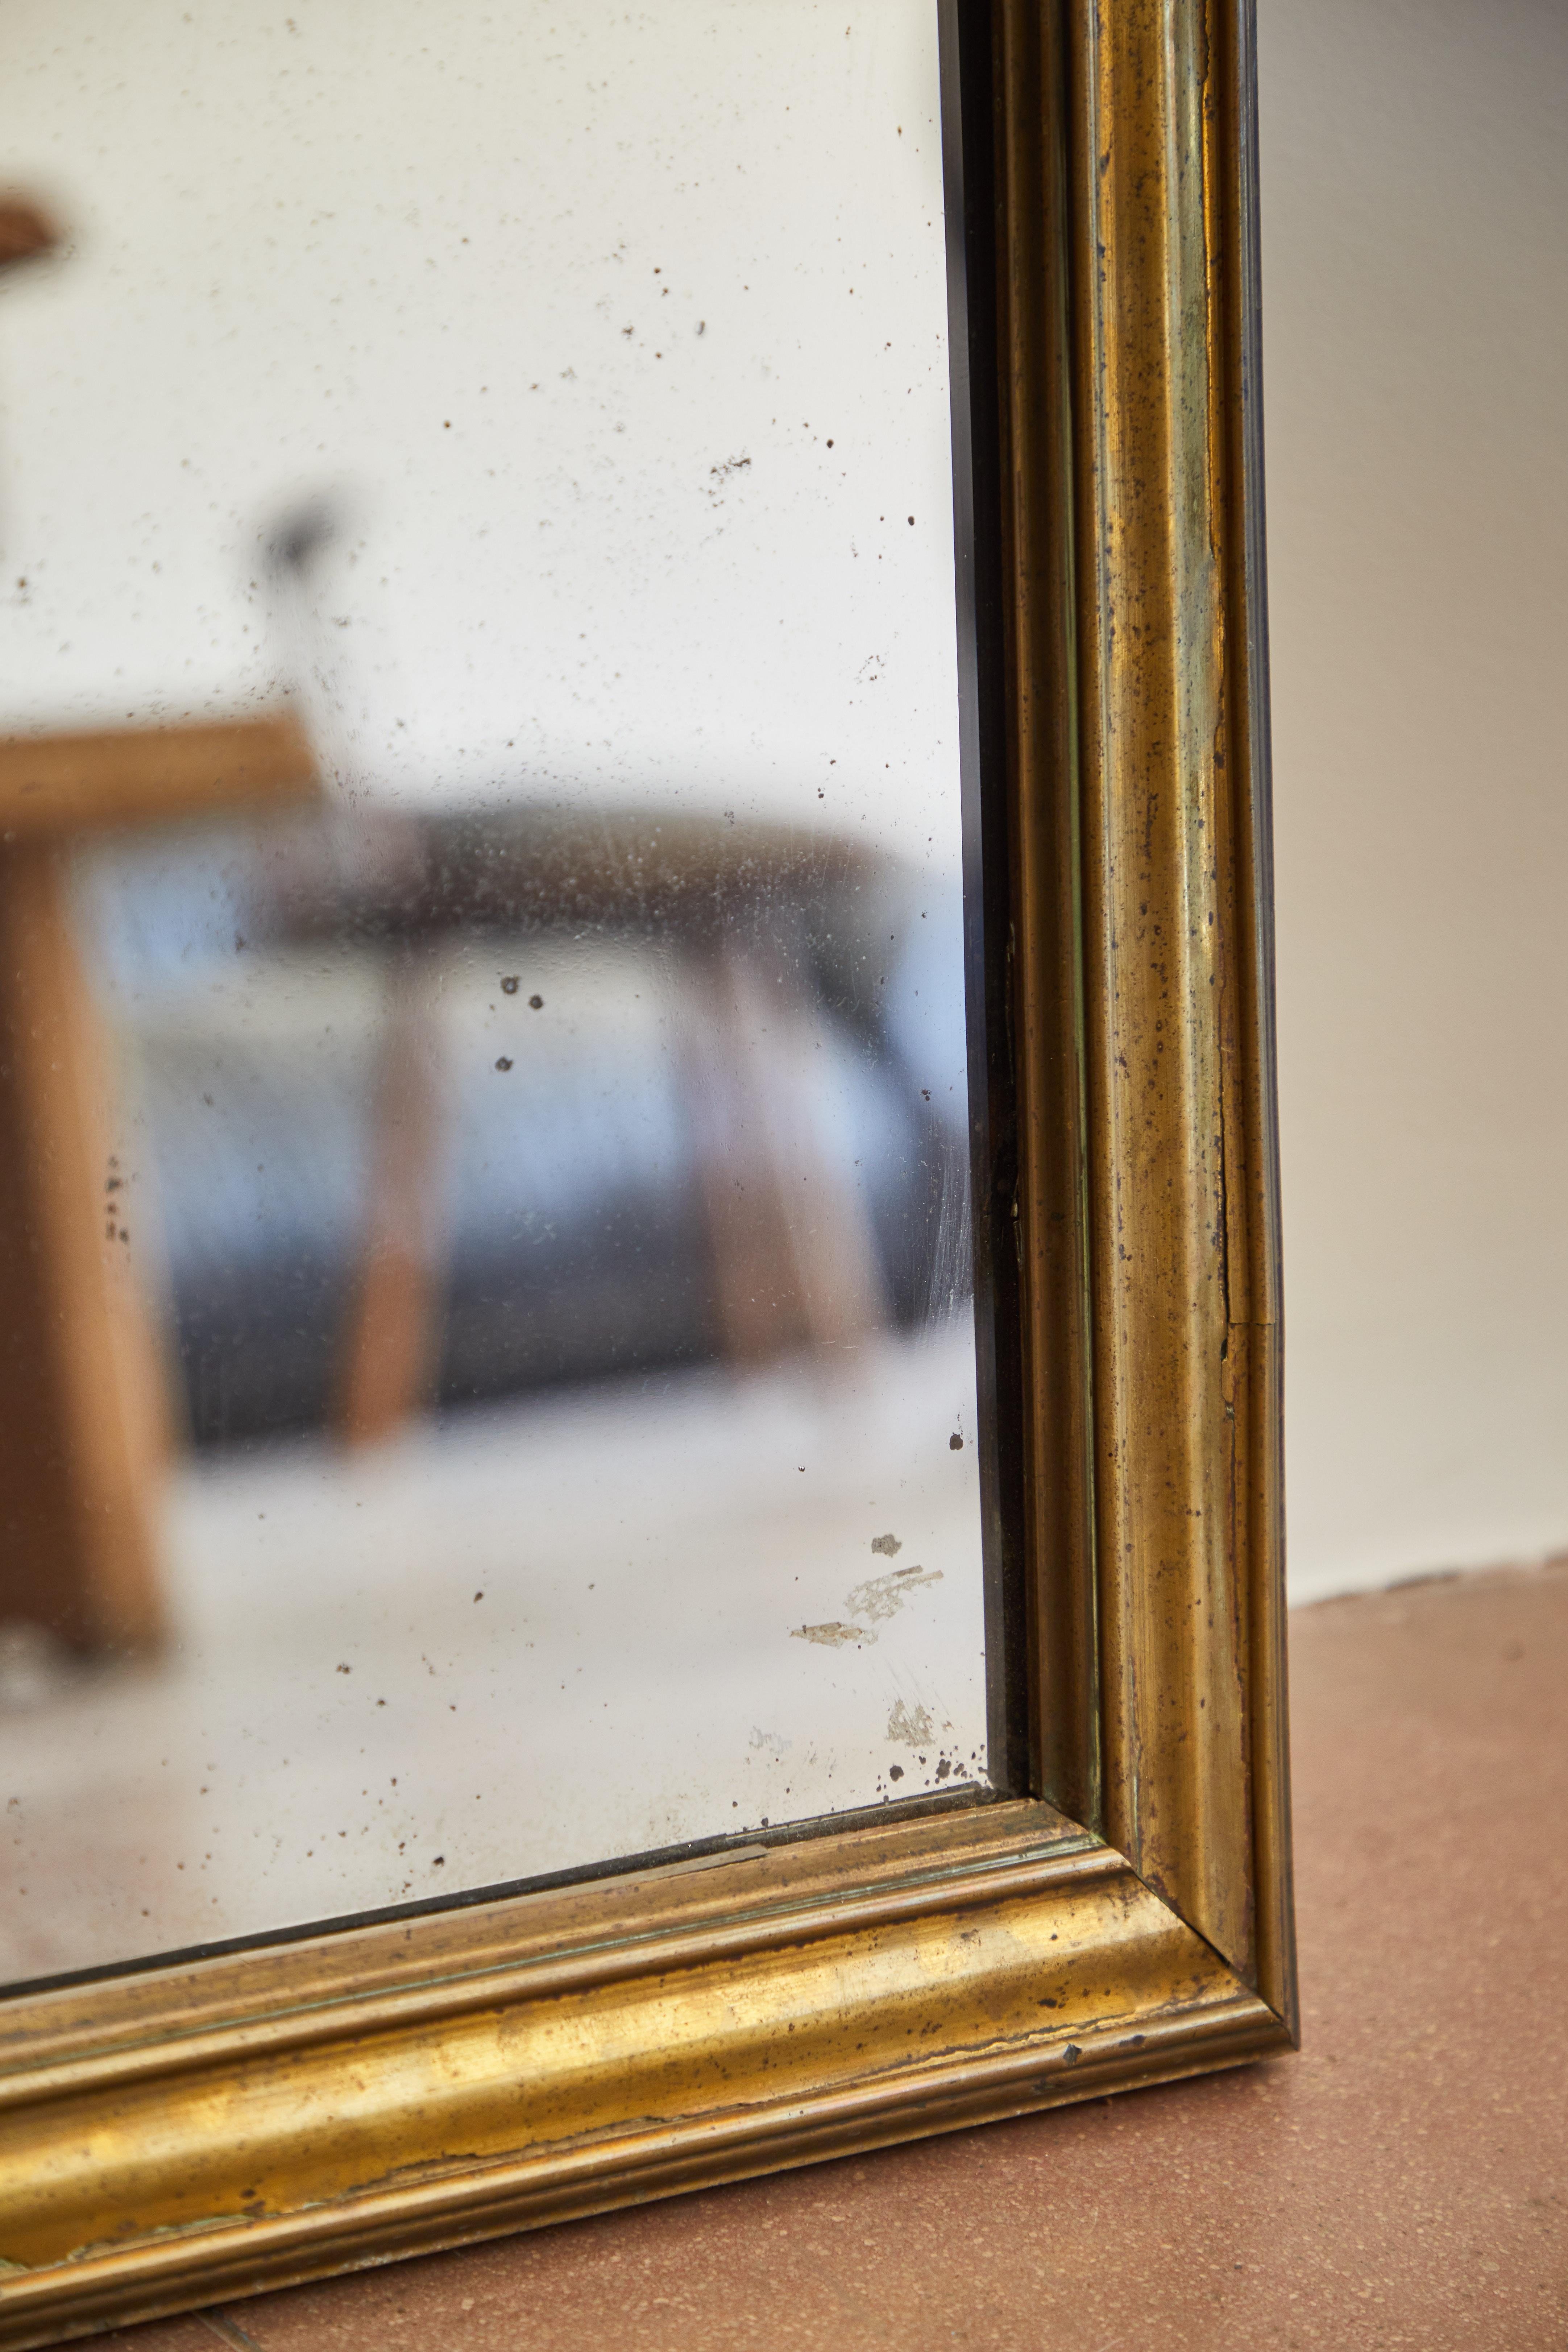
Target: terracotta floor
1403	2182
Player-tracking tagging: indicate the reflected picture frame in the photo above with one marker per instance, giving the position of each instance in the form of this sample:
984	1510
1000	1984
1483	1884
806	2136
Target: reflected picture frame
194	2132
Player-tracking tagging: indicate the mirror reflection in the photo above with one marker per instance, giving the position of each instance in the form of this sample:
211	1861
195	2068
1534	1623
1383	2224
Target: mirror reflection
489	1375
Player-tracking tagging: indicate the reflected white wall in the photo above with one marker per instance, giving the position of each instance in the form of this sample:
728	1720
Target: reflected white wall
620	337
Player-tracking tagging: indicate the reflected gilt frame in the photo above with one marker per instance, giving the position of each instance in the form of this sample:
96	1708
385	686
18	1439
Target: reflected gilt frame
197	2132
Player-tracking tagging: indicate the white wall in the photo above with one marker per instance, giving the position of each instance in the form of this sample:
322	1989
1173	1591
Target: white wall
1416	319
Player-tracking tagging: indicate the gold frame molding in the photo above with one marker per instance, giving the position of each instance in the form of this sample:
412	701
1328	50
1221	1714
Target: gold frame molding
203	2131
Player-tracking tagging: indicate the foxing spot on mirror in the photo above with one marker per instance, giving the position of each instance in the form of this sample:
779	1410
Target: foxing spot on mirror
490	1000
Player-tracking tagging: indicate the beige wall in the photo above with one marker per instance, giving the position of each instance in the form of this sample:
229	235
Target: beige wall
1416	323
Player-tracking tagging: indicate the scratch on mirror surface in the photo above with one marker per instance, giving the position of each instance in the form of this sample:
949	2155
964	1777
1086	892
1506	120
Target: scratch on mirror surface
701	1862
878	1598
884	1596
832	1635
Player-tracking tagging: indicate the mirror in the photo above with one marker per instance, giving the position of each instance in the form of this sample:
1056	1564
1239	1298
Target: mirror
490	1377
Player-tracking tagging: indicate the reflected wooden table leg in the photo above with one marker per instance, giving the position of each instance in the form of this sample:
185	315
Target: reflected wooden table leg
83	1392
390	1354
84	1386
795	1259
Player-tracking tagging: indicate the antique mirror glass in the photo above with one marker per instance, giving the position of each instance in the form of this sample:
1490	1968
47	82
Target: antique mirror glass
493	1375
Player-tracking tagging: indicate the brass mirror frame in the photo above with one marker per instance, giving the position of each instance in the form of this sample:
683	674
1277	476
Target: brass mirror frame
197	2132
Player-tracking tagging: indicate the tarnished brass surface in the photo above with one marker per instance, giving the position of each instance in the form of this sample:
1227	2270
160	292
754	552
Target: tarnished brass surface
571	2052
1151	619
1183	1244
189	2134
1147	1207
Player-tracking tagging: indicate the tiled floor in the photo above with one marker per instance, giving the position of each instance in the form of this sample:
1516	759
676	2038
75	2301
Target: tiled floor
1403	2181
